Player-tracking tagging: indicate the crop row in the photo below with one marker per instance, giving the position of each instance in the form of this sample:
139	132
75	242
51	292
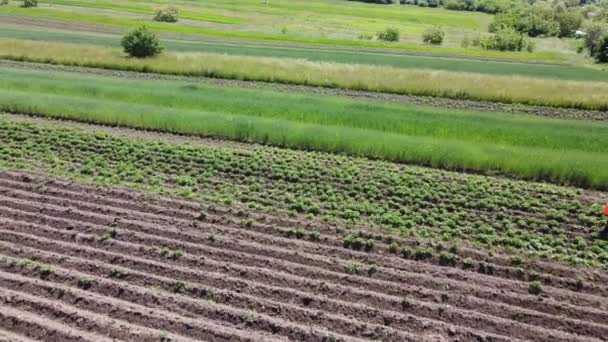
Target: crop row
429	205
383	79
526	147
320	54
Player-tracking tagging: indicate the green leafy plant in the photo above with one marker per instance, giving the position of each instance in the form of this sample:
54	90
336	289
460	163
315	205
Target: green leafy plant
29	3
168	14
389	35
141	43
434	35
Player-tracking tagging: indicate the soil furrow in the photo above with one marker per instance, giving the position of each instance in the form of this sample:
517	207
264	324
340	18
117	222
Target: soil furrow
43	328
193	279
302	261
7	336
441	310
196	326
558	275
193	301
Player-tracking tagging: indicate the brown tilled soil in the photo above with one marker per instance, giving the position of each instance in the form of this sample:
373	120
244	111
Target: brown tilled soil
83	263
564	113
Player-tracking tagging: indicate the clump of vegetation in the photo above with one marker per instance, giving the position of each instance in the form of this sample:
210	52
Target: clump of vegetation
167	14
447	259
359	240
596	41
85	283
540	19
29	3
389	35
352	268
535	287
505	39
141	43
433	35
3	2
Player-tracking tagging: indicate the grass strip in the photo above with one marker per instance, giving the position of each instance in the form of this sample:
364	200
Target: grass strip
521	146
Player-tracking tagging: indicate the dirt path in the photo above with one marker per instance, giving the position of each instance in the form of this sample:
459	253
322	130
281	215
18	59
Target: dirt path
86	260
407	99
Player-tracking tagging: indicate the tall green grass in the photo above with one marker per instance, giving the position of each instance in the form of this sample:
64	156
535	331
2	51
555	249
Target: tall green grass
319	54
521	146
506	89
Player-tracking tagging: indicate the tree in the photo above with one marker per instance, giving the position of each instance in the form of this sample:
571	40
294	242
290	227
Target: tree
141	43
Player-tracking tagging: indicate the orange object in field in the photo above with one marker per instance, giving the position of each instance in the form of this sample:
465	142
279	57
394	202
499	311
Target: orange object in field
606	210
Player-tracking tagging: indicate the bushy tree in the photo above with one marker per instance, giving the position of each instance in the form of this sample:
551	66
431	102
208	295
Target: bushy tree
168	14
433	35
539	20
596	41
389	35
30	3
141	43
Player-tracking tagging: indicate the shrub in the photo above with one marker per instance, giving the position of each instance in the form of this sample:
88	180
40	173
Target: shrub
29	3
433	35
505	39
389	35
596	41
141	43
3	2
167	15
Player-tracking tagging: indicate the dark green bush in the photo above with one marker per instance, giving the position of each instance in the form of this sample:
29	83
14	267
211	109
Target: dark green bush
3	2
596	41
389	35
433	35
141	43
505	39
168	14
30	3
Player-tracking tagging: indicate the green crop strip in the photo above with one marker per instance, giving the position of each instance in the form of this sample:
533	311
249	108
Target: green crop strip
528	147
430	205
563	72
470	86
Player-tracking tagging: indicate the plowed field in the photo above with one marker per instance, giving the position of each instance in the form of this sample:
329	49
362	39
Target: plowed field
82	263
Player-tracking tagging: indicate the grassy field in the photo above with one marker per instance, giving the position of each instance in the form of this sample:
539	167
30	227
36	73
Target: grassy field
319	54
526	147
471	86
325	22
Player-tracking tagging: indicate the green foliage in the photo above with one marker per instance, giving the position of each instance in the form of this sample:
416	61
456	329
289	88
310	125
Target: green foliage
358	241
4	2
389	35
29	3
539	19
596	41
535	287
168	14
141	43
406	191
504	39
487	6
433	35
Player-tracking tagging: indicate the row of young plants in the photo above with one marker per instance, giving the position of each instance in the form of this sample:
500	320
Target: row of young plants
526	147
429	205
